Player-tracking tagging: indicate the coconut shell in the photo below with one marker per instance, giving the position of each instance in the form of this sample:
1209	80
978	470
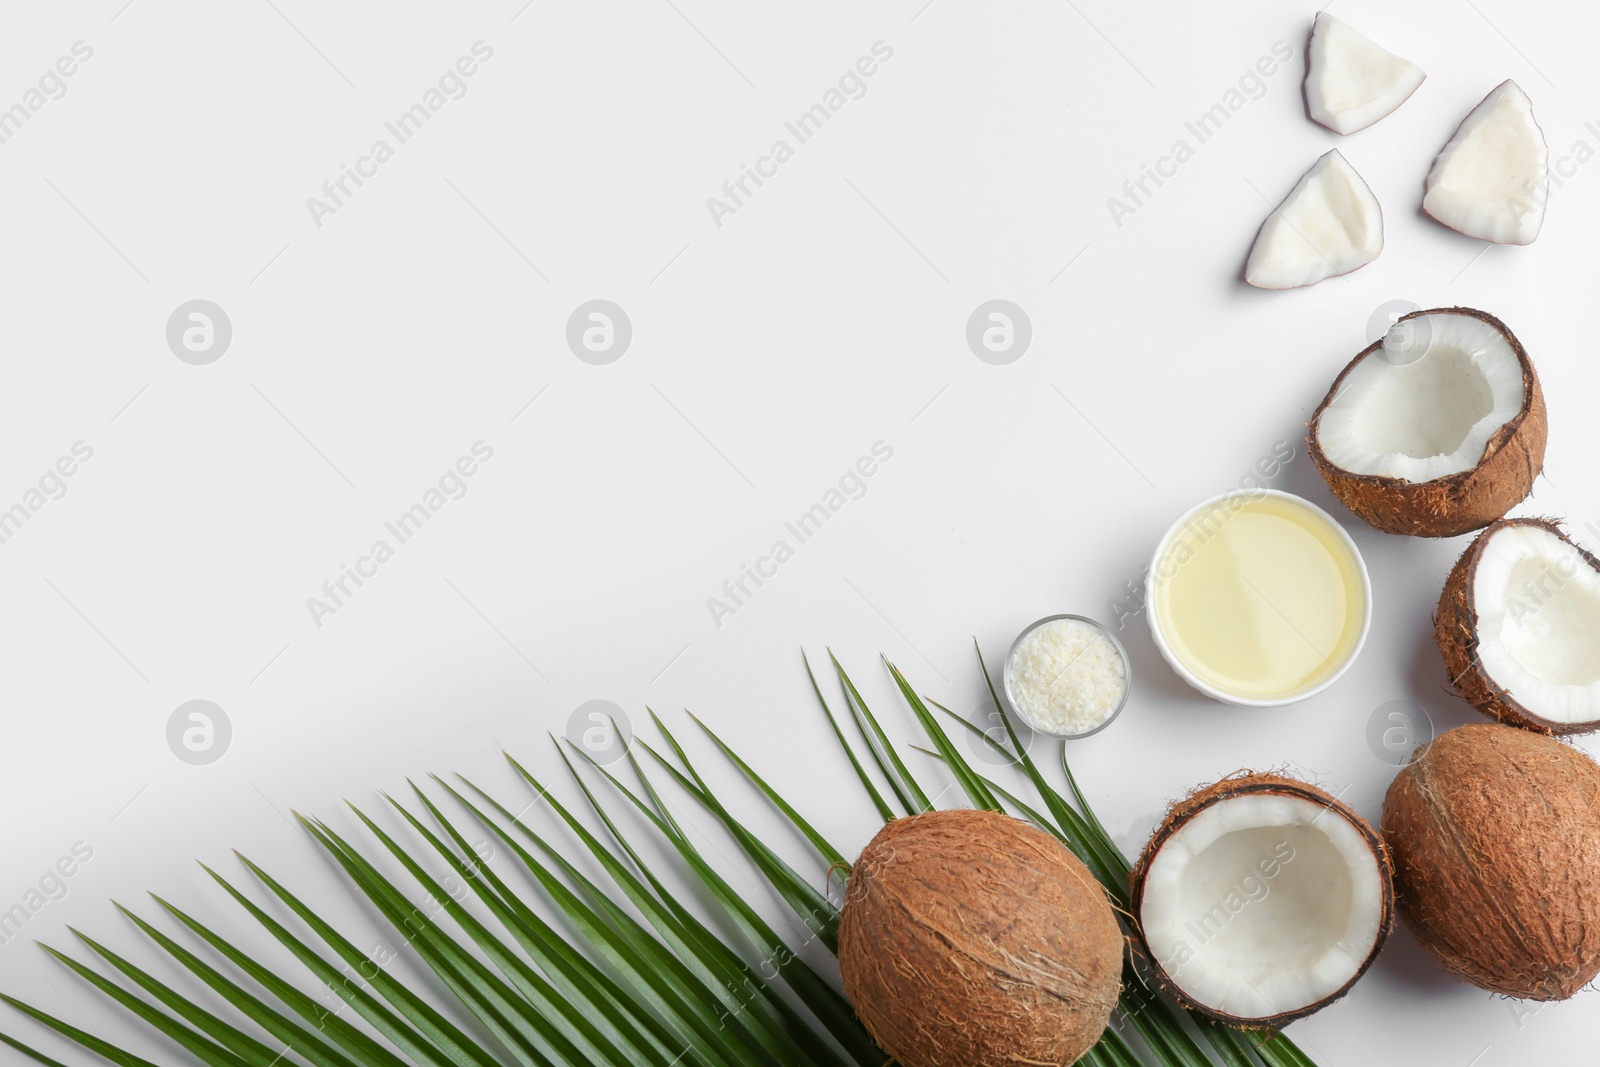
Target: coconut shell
1496	839
1458	503
1243	784
1455	630
971	939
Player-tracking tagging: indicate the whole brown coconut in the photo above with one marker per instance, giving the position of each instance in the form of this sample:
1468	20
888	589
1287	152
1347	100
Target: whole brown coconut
972	939
1456	633
1495	834
1458	503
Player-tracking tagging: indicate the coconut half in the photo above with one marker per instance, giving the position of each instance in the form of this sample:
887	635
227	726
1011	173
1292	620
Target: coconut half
1492	179
1261	899
1329	224
1519	628
1350	81
1436	430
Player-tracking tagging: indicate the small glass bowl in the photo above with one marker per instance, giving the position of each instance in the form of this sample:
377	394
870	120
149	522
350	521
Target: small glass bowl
1022	716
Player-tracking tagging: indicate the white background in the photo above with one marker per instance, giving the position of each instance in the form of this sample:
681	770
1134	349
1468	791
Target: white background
768	354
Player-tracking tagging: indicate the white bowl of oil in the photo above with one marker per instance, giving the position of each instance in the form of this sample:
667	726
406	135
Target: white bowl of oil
1257	597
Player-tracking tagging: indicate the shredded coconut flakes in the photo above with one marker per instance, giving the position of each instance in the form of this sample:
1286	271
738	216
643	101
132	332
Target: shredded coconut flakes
1066	677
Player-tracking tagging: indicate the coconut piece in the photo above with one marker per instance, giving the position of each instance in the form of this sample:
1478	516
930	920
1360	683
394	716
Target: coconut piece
1437	430
1496	843
1519	627
1329	224
1492	179
970	938
1350	81
1261	899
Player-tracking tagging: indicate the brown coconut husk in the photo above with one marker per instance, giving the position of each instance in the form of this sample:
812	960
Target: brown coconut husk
1455	630
1244	783
970	939
1458	503
1496	839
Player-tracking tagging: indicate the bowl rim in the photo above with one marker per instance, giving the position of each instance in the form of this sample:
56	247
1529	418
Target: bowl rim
1022	716
1182	669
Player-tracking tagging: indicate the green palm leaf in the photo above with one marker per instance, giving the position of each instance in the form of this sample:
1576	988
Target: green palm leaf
614	969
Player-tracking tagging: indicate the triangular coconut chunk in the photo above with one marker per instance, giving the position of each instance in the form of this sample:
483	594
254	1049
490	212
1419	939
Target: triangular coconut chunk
1329	224
1492	180
1352	82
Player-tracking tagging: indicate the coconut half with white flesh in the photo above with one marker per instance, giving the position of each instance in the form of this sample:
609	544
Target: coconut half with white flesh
1261	899
1519	628
1329	224
1438	429
1351	82
1492	180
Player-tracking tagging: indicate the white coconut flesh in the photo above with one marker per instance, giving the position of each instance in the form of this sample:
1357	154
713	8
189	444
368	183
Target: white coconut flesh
1538	621
1352	82
1492	180
1329	224
1263	904
1424	405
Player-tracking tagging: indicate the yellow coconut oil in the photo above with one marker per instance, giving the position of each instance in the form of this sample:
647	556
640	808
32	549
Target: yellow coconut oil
1260	596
